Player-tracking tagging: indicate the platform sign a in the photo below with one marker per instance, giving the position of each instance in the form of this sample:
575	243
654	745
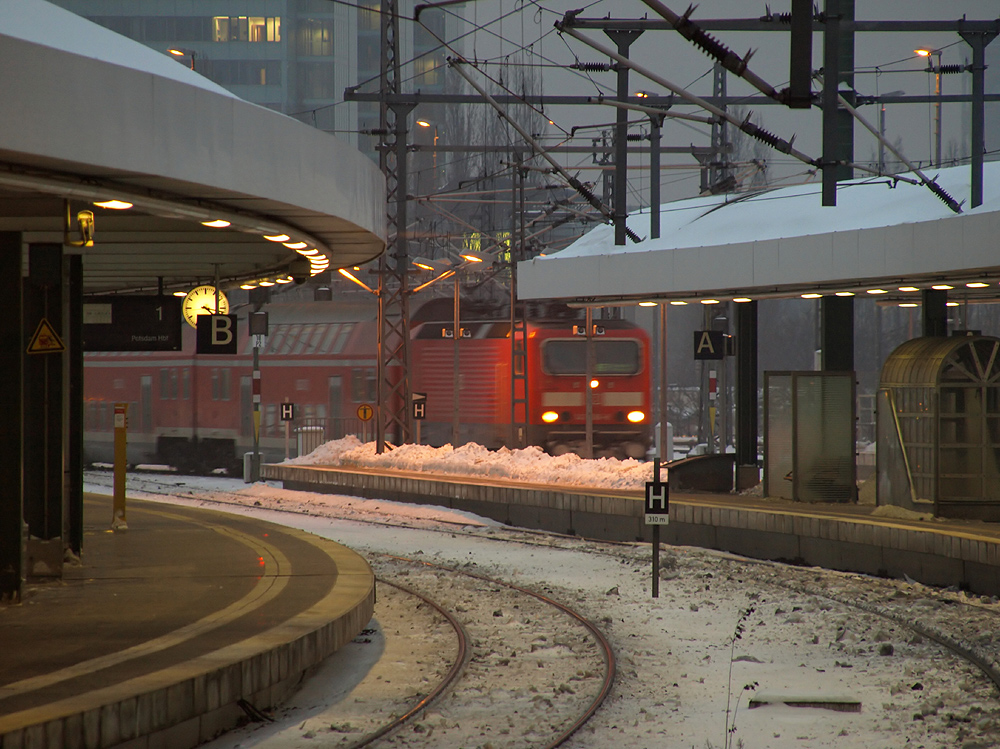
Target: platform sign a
709	344
657	510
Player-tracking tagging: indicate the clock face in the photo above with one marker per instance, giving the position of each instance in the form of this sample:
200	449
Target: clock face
201	301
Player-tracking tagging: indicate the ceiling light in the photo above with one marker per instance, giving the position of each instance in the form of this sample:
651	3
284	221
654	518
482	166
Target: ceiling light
307	253
277	237
285	279
742	299
295	245
677	303
709	301
216	224
845	293
908	288
115	205
812	295
877	291
951	304
248	286
180	293
942	287
267	283
647	304
977	285
908	304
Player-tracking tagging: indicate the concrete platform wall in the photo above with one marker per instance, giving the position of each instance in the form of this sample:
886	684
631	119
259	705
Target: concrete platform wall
943	553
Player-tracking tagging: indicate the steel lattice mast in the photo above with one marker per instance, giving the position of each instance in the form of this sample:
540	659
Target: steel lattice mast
393	383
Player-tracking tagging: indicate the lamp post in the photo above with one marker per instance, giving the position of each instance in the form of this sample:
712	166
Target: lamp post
434	153
182	52
936	69
881	131
451	271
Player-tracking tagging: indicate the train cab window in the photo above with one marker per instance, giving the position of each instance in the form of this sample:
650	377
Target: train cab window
612	357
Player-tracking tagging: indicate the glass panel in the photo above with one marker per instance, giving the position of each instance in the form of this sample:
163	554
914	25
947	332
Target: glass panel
825	438
778	437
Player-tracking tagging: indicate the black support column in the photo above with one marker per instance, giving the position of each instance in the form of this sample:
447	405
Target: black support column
11	487
43	411
747	472
74	420
935	312
838	333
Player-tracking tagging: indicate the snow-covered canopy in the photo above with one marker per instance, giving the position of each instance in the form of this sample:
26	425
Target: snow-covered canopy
782	242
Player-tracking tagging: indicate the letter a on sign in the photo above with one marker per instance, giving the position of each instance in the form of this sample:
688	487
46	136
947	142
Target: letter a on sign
216	334
709	344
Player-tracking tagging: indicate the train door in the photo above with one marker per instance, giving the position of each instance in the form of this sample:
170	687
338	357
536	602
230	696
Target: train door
335	424
146	403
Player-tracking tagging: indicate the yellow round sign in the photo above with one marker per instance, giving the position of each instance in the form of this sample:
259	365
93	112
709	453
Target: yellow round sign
365	412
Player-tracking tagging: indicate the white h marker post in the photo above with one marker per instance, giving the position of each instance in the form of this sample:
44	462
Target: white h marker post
657	509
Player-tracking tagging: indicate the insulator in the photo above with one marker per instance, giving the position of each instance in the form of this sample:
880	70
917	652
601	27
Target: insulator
785	18
945	197
592	67
635	137
946	69
632	235
765	136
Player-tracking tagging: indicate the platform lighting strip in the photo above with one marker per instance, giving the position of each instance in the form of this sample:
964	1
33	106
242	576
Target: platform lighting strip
819	295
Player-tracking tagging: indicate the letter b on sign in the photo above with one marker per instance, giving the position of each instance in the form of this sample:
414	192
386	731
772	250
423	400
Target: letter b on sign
216	334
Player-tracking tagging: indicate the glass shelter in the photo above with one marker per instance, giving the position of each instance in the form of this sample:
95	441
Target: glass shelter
938	427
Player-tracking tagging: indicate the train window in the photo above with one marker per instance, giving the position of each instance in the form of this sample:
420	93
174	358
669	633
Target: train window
269	421
303	342
164	384
290	339
216	386
186	383
358	385
345	332
224	383
569	357
336	388
329	334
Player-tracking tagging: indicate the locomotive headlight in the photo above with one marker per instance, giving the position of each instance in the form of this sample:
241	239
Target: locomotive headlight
636	416
594	384
550	416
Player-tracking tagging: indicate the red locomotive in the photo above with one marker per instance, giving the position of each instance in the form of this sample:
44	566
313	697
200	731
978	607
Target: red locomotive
195	412
556	377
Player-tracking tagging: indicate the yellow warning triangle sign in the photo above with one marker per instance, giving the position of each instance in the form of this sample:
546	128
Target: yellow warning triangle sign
45	340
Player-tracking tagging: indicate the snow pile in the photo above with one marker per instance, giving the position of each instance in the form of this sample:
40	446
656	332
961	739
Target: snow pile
532	464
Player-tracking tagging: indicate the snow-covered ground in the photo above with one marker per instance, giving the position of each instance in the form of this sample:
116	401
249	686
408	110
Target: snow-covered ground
678	659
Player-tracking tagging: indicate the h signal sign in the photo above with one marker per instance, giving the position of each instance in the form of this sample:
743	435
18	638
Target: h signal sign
657	511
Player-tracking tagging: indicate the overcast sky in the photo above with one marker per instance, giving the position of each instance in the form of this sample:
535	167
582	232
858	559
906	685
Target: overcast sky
885	62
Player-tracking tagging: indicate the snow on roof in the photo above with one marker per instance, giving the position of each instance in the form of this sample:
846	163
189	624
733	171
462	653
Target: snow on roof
40	22
795	211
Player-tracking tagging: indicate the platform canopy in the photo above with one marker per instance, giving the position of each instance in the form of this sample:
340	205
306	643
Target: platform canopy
882	234
88	115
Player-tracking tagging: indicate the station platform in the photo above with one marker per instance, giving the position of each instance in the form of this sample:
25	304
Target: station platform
173	631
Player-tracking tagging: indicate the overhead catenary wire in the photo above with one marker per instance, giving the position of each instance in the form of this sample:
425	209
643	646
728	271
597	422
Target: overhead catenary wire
575	183
746	125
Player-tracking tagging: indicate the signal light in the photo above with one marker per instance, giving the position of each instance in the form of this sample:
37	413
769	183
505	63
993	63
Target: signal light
550	416
636	416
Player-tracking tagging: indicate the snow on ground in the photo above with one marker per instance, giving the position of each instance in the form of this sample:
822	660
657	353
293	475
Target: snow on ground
677	659
530	464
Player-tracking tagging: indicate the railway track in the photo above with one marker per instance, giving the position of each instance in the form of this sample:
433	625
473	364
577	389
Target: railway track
922	661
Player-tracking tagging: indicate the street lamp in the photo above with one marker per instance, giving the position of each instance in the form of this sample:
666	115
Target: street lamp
426	124
182	52
937	92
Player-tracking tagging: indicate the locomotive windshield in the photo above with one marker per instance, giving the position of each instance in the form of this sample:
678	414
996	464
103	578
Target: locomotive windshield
612	357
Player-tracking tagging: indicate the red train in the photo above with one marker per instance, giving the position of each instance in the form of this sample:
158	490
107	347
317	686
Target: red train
556	362
194	412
